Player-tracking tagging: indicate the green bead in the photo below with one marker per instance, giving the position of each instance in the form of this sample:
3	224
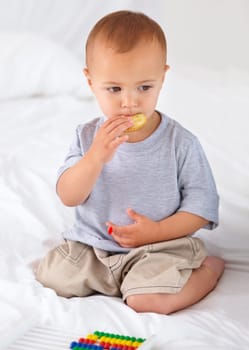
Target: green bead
140	340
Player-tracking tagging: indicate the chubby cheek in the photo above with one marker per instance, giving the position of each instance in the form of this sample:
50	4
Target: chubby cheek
149	105
108	106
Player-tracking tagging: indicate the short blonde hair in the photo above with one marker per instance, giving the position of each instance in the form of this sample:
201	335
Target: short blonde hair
123	30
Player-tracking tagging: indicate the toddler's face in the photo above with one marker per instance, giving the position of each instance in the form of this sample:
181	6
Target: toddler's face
126	83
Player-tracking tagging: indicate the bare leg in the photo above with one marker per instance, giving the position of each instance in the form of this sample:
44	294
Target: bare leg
200	283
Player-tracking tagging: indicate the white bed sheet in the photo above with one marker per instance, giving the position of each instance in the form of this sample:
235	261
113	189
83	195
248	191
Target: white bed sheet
35	134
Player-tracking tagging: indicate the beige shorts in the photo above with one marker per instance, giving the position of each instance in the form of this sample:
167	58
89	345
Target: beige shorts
75	269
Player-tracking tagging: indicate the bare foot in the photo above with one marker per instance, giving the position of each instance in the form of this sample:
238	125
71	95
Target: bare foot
215	264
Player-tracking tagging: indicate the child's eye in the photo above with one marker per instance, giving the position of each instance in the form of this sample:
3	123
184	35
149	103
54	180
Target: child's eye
114	89
144	87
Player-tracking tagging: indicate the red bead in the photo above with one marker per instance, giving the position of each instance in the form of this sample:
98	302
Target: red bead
82	340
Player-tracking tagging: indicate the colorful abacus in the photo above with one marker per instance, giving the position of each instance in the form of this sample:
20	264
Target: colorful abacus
106	341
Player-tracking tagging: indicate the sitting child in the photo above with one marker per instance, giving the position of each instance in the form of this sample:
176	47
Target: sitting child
139	194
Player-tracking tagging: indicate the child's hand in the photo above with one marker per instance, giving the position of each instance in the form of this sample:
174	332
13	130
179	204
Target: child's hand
143	231
109	137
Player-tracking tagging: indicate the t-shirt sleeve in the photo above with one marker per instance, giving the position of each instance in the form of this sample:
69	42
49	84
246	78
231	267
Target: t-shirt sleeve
74	154
197	186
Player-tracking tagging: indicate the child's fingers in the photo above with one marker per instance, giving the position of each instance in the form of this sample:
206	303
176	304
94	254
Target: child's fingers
119	140
115	127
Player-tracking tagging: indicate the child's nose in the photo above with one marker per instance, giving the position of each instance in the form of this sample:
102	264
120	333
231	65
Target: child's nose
129	100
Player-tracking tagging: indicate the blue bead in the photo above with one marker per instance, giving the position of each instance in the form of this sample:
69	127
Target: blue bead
73	344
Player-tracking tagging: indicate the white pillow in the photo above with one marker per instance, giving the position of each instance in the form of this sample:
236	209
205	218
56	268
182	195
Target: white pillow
32	65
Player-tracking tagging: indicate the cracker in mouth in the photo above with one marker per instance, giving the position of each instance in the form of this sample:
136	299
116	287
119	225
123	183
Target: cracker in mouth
139	120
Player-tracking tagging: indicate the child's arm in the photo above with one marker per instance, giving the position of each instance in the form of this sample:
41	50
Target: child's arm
76	183
180	224
145	231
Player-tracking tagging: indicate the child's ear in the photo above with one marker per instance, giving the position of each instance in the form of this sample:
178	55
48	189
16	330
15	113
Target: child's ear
166	68
87	75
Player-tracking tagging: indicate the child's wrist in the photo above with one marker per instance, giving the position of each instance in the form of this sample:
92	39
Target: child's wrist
94	158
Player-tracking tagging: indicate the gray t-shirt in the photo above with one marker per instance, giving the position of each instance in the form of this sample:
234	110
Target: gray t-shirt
166	173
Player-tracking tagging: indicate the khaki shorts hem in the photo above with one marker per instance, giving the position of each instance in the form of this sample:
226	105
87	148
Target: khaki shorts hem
157	289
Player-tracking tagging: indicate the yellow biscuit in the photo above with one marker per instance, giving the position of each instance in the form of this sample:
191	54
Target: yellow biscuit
139	120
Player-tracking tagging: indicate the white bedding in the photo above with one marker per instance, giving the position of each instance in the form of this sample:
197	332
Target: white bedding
37	121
